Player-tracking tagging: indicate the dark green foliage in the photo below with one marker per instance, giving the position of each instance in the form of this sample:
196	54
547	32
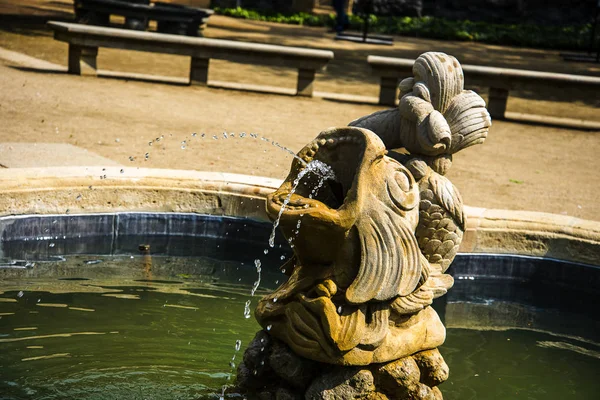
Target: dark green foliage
554	37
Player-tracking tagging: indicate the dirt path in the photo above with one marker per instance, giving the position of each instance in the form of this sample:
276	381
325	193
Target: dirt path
520	166
348	73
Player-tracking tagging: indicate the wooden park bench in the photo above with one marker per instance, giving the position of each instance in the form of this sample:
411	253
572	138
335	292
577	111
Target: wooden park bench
170	18
499	80
84	41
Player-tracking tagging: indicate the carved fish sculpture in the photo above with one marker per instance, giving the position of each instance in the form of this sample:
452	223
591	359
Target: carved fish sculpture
435	119
360	288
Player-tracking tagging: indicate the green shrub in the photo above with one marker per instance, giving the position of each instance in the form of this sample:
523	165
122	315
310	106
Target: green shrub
556	37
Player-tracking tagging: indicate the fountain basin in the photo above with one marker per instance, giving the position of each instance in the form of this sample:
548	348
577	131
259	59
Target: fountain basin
525	287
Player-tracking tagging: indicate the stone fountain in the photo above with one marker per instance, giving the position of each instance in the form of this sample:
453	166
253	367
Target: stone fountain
371	248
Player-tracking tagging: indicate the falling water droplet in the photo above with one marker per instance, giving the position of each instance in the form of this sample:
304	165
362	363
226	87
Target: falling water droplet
238	345
266	251
122	171
247	309
339	310
51	245
275	300
194	134
20	294
146	156
78	197
131	158
282	258
269	327
150	143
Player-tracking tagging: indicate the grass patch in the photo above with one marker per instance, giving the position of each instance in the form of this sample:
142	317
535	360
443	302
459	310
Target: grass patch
574	37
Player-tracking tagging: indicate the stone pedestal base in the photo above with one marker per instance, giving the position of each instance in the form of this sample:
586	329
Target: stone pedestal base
271	371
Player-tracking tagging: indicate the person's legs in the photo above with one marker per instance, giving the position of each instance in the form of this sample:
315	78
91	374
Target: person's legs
341	20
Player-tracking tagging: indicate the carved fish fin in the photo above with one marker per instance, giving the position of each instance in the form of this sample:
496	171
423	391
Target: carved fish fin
390	264
449	197
352	329
378	328
468	119
440	284
414	302
386	124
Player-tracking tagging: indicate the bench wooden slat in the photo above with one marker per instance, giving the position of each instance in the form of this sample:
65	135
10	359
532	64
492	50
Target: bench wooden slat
307	61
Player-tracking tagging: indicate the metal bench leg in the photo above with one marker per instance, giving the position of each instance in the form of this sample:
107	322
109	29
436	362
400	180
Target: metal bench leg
199	71
387	90
82	60
306	77
497	102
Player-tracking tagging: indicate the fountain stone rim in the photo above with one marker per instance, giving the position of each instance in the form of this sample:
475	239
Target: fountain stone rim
54	190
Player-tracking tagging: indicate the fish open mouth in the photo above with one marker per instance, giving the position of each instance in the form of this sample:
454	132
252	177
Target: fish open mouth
326	173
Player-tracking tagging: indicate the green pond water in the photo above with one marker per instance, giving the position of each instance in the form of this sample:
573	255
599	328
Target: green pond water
119	329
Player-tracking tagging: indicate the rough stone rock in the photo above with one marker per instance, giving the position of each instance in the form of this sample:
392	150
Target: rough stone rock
437	393
256	355
378	396
295	370
343	383
266	395
245	379
434	369
287	394
399	377
254	371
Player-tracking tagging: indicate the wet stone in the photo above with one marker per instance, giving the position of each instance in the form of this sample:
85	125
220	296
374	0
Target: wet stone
400	379
254	372
287	394
342	383
245	379
295	370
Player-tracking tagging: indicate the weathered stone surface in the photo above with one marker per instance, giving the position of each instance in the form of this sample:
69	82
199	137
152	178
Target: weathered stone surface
293	369
254	371
342	384
404	378
378	233
437	393
257	352
399	376
434	369
306	312
245	379
287	394
348	301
